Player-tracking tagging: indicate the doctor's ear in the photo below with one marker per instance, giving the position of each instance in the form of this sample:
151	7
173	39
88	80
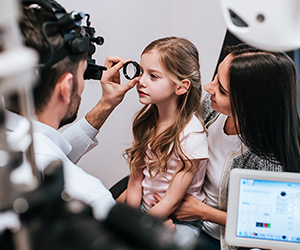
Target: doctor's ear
65	85
183	88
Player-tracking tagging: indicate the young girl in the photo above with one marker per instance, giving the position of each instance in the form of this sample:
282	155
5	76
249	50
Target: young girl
170	147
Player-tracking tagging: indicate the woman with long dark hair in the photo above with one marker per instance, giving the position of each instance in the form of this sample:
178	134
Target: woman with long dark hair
252	121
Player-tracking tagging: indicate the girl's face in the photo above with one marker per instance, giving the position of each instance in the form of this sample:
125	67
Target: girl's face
154	87
219	88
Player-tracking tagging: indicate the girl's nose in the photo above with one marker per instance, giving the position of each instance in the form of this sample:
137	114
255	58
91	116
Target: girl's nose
142	81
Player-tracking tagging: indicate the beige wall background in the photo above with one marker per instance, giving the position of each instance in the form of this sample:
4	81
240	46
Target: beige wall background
127	27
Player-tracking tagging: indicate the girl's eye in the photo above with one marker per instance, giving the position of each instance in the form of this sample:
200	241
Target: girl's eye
153	76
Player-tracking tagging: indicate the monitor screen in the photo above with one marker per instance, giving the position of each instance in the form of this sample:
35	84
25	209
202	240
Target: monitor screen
263	209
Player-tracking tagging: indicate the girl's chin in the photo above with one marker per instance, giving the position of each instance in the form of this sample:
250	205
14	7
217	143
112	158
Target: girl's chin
142	101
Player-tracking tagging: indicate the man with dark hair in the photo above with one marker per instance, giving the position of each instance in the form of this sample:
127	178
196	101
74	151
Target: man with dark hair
57	98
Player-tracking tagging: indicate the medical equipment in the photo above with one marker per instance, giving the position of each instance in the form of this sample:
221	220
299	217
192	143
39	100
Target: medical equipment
73	42
263	209
270	24
131	70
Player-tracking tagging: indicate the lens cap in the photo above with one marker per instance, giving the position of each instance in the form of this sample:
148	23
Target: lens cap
131	70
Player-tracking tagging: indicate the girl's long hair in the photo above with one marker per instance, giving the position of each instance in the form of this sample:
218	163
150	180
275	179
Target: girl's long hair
263	92
180	59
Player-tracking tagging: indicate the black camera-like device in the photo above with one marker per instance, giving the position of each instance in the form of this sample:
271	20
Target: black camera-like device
73	42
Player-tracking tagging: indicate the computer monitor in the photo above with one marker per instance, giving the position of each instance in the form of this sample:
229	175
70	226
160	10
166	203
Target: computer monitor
263	210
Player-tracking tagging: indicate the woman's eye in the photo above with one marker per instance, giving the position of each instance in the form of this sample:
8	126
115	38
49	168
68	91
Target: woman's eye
222	92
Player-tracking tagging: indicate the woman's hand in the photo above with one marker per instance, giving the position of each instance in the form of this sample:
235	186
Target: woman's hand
188	209
193	209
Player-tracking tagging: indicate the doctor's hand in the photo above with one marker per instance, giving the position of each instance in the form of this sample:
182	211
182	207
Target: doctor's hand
112	91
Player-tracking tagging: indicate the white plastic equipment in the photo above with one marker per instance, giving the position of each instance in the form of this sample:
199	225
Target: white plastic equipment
267	24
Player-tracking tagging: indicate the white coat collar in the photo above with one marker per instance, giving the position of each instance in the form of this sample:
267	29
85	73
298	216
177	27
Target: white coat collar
53	135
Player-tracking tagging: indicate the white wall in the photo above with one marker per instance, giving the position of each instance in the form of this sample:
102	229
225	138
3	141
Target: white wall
127	27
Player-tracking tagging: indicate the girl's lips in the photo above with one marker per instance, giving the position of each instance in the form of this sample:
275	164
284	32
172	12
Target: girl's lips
142	93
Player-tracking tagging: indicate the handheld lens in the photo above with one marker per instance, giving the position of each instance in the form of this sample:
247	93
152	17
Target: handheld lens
131	70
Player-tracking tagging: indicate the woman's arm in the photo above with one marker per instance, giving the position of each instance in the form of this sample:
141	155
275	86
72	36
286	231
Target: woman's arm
134	189
193	209
176	190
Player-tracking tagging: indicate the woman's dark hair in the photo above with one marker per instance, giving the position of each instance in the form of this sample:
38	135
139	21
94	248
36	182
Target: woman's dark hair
32	21
263	93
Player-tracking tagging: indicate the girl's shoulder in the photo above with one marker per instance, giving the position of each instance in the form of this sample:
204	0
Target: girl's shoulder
194	125
194	132
193	140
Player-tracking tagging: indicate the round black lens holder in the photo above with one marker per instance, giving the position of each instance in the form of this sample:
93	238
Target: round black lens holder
137	70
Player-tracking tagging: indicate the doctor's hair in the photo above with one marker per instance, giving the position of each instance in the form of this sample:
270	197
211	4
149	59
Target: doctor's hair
32	21
179	59
263	94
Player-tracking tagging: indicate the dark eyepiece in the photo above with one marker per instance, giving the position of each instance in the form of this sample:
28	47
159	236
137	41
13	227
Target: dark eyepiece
131	70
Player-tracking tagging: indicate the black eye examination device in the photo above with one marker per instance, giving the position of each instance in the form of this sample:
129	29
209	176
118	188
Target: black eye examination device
73	43
131	70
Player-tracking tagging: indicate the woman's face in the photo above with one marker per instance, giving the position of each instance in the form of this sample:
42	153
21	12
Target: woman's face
219	88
